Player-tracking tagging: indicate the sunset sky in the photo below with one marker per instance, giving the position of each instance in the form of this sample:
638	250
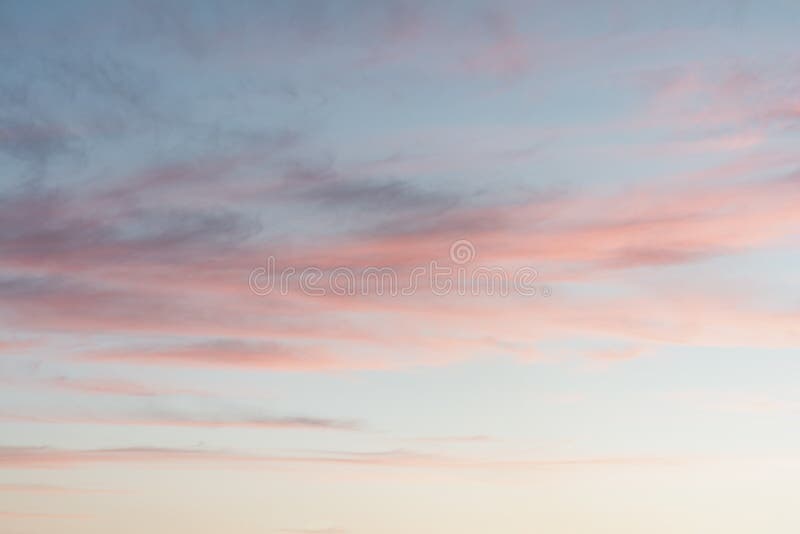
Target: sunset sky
163	163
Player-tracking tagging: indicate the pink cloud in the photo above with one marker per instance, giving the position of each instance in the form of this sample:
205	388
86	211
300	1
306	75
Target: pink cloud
46	458
16	345
117	387
49	458
507	53
189	421
171	288
237	353
733	98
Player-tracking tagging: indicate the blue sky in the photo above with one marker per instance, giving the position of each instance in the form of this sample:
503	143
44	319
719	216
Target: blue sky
639	158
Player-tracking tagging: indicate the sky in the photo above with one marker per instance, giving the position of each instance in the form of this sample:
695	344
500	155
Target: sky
390	267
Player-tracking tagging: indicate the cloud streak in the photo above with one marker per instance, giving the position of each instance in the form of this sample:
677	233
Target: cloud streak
47	458
169	419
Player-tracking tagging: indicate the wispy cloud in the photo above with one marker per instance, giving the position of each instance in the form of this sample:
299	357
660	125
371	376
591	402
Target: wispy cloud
229	353
174	419
116	387
38	458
